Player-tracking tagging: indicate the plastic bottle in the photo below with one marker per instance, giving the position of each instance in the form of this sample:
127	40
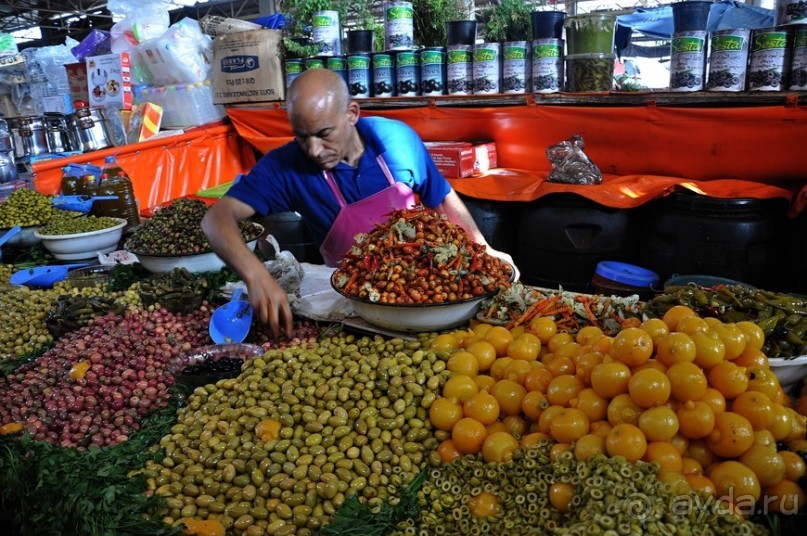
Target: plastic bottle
115	181
70	181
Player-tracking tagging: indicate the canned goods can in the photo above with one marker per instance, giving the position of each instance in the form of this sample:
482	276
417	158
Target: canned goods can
314	63
383	75
399	26
487	68
294	68
547	65
688	61
358	75
791	12
460	69
326	33
337	64
728	58
407	73
798	70
433	71
769	59
515	66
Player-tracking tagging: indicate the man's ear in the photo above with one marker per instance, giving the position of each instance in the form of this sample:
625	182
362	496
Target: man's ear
353	112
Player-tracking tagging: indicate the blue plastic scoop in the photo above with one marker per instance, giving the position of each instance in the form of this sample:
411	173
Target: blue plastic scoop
11	233
231	321
43	276
79	203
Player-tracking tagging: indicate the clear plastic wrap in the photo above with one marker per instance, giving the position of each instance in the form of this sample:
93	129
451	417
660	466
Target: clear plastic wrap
570	165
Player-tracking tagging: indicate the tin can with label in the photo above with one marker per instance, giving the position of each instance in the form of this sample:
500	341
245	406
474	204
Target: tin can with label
314	63
294	68
326	33
383	75
798	70
433	71
460	69
337	64
547	65
407	73
688	61
359	79
515	66
399	26
769	63
791	12
487	68
728	59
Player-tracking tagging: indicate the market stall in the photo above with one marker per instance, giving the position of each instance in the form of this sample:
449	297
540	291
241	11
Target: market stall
422	387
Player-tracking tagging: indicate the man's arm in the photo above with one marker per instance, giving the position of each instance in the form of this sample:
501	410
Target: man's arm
268	298
453	207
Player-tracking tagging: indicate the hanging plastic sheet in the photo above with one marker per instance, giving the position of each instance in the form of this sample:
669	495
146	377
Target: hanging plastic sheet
165	168
643	151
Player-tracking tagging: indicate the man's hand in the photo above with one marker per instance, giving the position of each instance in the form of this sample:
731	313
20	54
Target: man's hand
270	302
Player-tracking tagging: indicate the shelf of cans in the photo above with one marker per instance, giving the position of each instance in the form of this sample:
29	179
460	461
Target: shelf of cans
733	60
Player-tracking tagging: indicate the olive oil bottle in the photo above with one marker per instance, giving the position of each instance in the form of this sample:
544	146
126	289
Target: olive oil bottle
115	181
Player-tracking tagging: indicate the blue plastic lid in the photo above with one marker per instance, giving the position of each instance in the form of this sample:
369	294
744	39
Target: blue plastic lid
628	274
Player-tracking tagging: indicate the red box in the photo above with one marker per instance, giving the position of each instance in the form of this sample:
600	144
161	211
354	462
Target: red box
460	159
77	80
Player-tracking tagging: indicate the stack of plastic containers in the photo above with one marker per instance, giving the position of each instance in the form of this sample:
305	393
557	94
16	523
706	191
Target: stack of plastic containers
590	59
184	105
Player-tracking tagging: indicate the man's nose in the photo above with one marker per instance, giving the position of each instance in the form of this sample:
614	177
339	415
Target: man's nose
313	146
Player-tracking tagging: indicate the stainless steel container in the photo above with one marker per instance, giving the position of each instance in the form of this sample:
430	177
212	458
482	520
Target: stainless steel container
16	139
92	130
58	139
34	136
8	167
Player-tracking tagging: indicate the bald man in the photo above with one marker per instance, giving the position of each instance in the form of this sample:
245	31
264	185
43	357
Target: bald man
342	173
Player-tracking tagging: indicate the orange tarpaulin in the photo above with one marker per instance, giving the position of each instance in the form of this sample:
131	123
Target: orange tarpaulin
643	151
165	168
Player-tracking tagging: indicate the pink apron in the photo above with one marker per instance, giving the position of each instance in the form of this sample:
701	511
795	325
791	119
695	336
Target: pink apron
361	216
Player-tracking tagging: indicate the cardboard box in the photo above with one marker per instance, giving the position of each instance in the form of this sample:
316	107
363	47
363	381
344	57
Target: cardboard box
457	160
247	67
77	81
110	81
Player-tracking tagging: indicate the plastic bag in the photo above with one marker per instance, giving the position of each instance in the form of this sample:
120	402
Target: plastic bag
181	55
142	20
570	165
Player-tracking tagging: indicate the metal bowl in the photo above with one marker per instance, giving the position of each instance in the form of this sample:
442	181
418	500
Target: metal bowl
416	318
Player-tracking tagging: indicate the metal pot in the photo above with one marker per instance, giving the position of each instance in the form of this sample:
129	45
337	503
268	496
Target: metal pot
91	129
8	168
33	137
16	140
58	139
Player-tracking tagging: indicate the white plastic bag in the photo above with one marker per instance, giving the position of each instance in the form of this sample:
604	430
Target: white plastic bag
181	55
142	20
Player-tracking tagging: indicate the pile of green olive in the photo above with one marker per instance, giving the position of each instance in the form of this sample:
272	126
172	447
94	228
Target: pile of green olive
601	495
23	314
351	416
25	207
67	226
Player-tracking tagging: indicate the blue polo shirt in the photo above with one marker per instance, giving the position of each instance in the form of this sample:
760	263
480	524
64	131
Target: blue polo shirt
285	179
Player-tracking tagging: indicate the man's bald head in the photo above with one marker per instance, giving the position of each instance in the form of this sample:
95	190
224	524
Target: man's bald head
317	90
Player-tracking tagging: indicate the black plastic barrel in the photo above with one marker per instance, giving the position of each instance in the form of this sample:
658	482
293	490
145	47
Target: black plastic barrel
687	233
562	237
291	234
498	222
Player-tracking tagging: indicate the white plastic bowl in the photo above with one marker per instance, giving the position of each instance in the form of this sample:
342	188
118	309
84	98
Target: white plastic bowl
83	245
789	371
196	263
26	236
